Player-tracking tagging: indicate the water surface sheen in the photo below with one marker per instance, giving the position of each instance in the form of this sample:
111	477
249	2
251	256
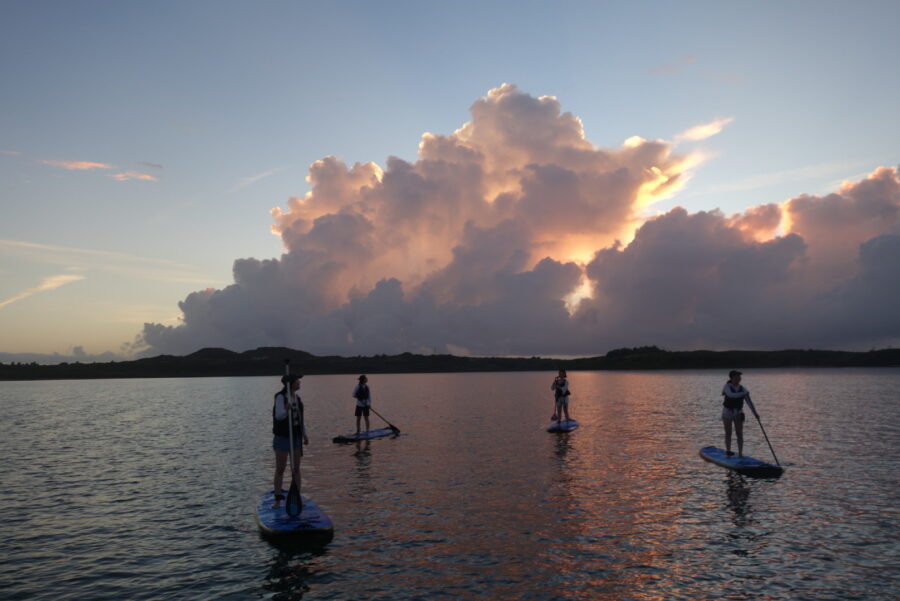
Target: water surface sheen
145	489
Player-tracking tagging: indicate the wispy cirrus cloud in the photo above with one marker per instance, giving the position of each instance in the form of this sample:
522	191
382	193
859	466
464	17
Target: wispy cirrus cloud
247	181
49	283
127	176
10	152
672	68
703	131
807	172
98	260
151	165
78	165
123	176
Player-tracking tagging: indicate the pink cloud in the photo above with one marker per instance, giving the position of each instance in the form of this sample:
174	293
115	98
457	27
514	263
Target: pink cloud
480	243
126	176
79	165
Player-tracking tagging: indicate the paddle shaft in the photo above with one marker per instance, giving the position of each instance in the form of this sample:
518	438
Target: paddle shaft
756	415
392	426
289	399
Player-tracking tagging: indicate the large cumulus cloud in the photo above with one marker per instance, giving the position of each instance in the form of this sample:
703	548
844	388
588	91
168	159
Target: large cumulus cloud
504	238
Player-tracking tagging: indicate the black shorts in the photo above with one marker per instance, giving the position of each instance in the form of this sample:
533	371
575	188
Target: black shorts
362	411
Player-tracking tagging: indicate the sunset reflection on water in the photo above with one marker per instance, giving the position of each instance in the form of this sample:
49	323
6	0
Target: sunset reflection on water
474	500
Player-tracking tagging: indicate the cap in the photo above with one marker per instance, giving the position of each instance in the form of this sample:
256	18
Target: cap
361	378
734	373
290	378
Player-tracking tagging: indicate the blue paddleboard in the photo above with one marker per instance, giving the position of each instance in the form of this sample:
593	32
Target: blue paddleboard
312	522
744	465
563	425
365	435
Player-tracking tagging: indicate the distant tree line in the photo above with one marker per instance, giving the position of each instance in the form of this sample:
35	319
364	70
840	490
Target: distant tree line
269	361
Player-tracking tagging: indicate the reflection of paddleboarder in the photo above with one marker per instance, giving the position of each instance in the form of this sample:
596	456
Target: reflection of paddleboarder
733	411
363	401
560	388
281	442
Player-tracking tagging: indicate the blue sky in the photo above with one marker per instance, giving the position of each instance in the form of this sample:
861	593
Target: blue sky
212	112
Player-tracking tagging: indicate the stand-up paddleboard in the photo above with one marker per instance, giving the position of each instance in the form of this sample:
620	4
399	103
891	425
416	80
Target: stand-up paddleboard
742	465
563	425
365	435
312	523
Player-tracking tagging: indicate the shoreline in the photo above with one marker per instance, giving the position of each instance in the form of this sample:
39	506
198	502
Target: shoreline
268	361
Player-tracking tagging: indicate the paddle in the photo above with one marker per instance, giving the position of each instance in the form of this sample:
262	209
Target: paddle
756	415
394	428
294	503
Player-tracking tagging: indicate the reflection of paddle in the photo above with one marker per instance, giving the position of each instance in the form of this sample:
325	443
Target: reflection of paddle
394	428
294	503
756	415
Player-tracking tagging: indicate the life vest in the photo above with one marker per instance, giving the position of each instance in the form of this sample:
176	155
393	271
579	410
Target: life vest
280	426
731	403
362	393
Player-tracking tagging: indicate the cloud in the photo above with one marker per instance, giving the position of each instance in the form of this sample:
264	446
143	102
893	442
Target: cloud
764	180
79	165
515	234
672	68
126	176
247	181
97	260
49	283
703	131
10	152
152	165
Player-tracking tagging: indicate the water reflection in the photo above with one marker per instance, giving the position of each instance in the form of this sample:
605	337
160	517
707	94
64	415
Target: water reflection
738	495
289	575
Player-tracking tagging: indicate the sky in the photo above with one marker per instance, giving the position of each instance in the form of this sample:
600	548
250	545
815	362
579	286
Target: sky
483	178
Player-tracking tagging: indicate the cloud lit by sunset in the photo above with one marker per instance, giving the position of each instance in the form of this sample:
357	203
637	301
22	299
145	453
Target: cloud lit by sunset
516	235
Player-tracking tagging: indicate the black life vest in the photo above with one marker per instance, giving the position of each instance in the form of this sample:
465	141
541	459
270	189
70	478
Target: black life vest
362	393
280	426
731	403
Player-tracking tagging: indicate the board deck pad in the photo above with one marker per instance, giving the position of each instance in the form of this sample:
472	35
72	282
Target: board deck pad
312	522
364	435
748	466
564	425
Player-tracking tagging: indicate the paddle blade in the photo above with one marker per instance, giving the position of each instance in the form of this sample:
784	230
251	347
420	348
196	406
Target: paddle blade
395	430
294	504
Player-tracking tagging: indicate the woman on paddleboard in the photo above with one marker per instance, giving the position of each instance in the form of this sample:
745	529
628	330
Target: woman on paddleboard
733	411
363	401
281	441
560	388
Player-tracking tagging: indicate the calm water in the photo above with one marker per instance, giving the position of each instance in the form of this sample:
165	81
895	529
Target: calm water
145	489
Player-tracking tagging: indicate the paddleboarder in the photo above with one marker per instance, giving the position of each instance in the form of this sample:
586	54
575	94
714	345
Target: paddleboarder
281	441
734	395
363	397
560	388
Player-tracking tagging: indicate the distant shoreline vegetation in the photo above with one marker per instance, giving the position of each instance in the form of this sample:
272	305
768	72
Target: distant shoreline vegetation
268	361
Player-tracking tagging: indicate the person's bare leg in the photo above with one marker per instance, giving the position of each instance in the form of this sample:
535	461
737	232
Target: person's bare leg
280	463
727	423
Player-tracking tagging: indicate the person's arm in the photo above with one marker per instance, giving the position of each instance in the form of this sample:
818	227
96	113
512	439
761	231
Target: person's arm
731	394
280	408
